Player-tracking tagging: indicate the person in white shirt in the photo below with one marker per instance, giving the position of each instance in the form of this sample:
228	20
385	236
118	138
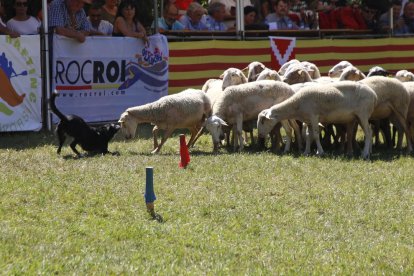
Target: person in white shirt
22	23
98	25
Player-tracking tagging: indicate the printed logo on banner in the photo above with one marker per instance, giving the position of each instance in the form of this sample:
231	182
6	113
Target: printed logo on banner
149	66
8	93
18	86
283	50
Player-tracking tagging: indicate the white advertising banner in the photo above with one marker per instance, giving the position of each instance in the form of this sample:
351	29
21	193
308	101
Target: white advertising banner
100	78
20	84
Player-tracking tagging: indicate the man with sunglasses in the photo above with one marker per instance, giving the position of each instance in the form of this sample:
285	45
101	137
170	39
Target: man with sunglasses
68	18
22	23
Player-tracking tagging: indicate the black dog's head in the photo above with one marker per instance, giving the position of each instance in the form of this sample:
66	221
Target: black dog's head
109	130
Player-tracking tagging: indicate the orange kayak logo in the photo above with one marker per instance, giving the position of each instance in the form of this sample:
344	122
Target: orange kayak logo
8	94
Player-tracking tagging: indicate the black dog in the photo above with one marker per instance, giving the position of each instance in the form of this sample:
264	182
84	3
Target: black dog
91	139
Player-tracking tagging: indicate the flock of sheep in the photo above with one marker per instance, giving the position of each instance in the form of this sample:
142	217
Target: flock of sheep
296	98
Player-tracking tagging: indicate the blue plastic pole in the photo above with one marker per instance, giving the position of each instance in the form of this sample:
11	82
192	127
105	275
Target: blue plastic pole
149	185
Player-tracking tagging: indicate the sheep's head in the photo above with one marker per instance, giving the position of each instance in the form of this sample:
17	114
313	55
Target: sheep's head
404	75
296	74
253	70
312	69
337	70
377	71
128	125
214	125
265	123
286	66
269	74
352	73
232	76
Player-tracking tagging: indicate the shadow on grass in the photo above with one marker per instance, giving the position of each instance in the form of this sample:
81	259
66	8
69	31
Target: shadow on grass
26	140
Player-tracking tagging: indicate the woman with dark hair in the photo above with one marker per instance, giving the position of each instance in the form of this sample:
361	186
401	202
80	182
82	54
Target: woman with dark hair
127	23
3	27
22	22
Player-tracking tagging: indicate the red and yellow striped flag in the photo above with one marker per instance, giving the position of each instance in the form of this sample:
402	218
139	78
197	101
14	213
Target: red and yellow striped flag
194	62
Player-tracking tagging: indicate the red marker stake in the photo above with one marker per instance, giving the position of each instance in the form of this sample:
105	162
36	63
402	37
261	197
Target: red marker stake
184	154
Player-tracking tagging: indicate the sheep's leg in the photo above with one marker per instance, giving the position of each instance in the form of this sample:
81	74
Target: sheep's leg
198	135
308	139
368	137
252	142
298	135
350	137
238	132
314	122
167	134
403	124
275	138
288	131
155	131
194	132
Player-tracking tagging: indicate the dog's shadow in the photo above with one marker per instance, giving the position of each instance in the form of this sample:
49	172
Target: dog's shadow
89	155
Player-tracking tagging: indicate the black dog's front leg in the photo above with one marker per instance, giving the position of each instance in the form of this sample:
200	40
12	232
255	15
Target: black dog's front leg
73	147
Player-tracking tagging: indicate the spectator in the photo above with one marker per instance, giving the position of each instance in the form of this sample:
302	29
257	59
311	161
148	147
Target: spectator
230	10
327	13
303	14
23	23
127	23
349	17
250	19
3	28
405	24
98	25
68	18
109	10
215	17
194	19
279	20
168	22
384	20
370	17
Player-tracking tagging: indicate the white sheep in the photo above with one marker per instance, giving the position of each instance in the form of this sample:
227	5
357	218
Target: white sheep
232	76
242	103
410	114
351	73
339	102
404	75
377	71
253	70
393	102
187	109
286	66
337	69
269	74
296	73
312	69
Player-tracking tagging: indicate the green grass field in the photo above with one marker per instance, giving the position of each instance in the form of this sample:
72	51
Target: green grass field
226	214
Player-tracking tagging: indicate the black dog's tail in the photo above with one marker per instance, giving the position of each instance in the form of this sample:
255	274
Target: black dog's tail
54	108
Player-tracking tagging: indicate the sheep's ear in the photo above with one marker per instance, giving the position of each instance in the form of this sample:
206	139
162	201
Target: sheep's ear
221	76
245	71
223	123
267	115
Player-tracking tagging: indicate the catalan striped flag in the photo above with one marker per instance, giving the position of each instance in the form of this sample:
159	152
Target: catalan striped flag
192	63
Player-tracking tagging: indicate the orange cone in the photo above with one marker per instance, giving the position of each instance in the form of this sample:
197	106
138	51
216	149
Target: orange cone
184	154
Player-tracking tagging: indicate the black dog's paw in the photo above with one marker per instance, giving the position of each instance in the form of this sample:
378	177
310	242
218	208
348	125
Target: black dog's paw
115	153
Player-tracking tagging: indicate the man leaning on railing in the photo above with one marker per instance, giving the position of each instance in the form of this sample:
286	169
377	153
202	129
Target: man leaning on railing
68	18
